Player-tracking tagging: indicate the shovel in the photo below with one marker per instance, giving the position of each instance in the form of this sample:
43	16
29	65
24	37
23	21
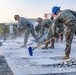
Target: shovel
30	49
6	39
11	36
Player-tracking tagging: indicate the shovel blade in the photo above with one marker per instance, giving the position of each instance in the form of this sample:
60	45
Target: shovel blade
30	51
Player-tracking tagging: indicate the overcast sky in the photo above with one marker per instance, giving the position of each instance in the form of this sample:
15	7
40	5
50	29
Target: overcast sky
31	8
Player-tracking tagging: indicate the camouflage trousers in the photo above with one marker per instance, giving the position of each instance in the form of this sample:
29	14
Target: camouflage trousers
50	35
69	33
27	33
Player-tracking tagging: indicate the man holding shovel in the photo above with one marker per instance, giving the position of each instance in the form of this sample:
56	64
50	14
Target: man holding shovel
47	23
27	26
68	18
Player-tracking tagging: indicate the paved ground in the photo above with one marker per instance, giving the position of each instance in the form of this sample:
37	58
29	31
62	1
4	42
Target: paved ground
4	67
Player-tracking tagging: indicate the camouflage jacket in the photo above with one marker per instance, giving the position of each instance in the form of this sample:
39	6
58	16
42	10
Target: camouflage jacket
24	23
46	23
66	17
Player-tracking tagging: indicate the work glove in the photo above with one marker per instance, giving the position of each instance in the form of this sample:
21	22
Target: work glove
55	35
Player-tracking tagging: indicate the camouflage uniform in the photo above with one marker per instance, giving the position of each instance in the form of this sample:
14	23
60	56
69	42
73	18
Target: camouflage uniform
68	18
28	27
38	26
60	29
50	35
47	23
37	29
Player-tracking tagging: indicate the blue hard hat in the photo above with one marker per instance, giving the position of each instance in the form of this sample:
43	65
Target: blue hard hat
54	9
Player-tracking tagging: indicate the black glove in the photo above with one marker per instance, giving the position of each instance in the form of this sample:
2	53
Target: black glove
55	35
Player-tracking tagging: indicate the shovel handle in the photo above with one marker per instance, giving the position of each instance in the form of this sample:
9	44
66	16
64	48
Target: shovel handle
47	41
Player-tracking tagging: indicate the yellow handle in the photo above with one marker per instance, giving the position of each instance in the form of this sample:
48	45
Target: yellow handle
10	37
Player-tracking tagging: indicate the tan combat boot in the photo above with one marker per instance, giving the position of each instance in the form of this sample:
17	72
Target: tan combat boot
65	57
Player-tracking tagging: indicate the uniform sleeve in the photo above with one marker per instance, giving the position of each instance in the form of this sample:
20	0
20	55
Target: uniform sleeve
56	22
19	25
42	29
54	25
22	25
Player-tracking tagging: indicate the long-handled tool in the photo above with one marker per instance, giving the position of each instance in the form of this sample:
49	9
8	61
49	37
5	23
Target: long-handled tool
11	36
6	39
30	49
